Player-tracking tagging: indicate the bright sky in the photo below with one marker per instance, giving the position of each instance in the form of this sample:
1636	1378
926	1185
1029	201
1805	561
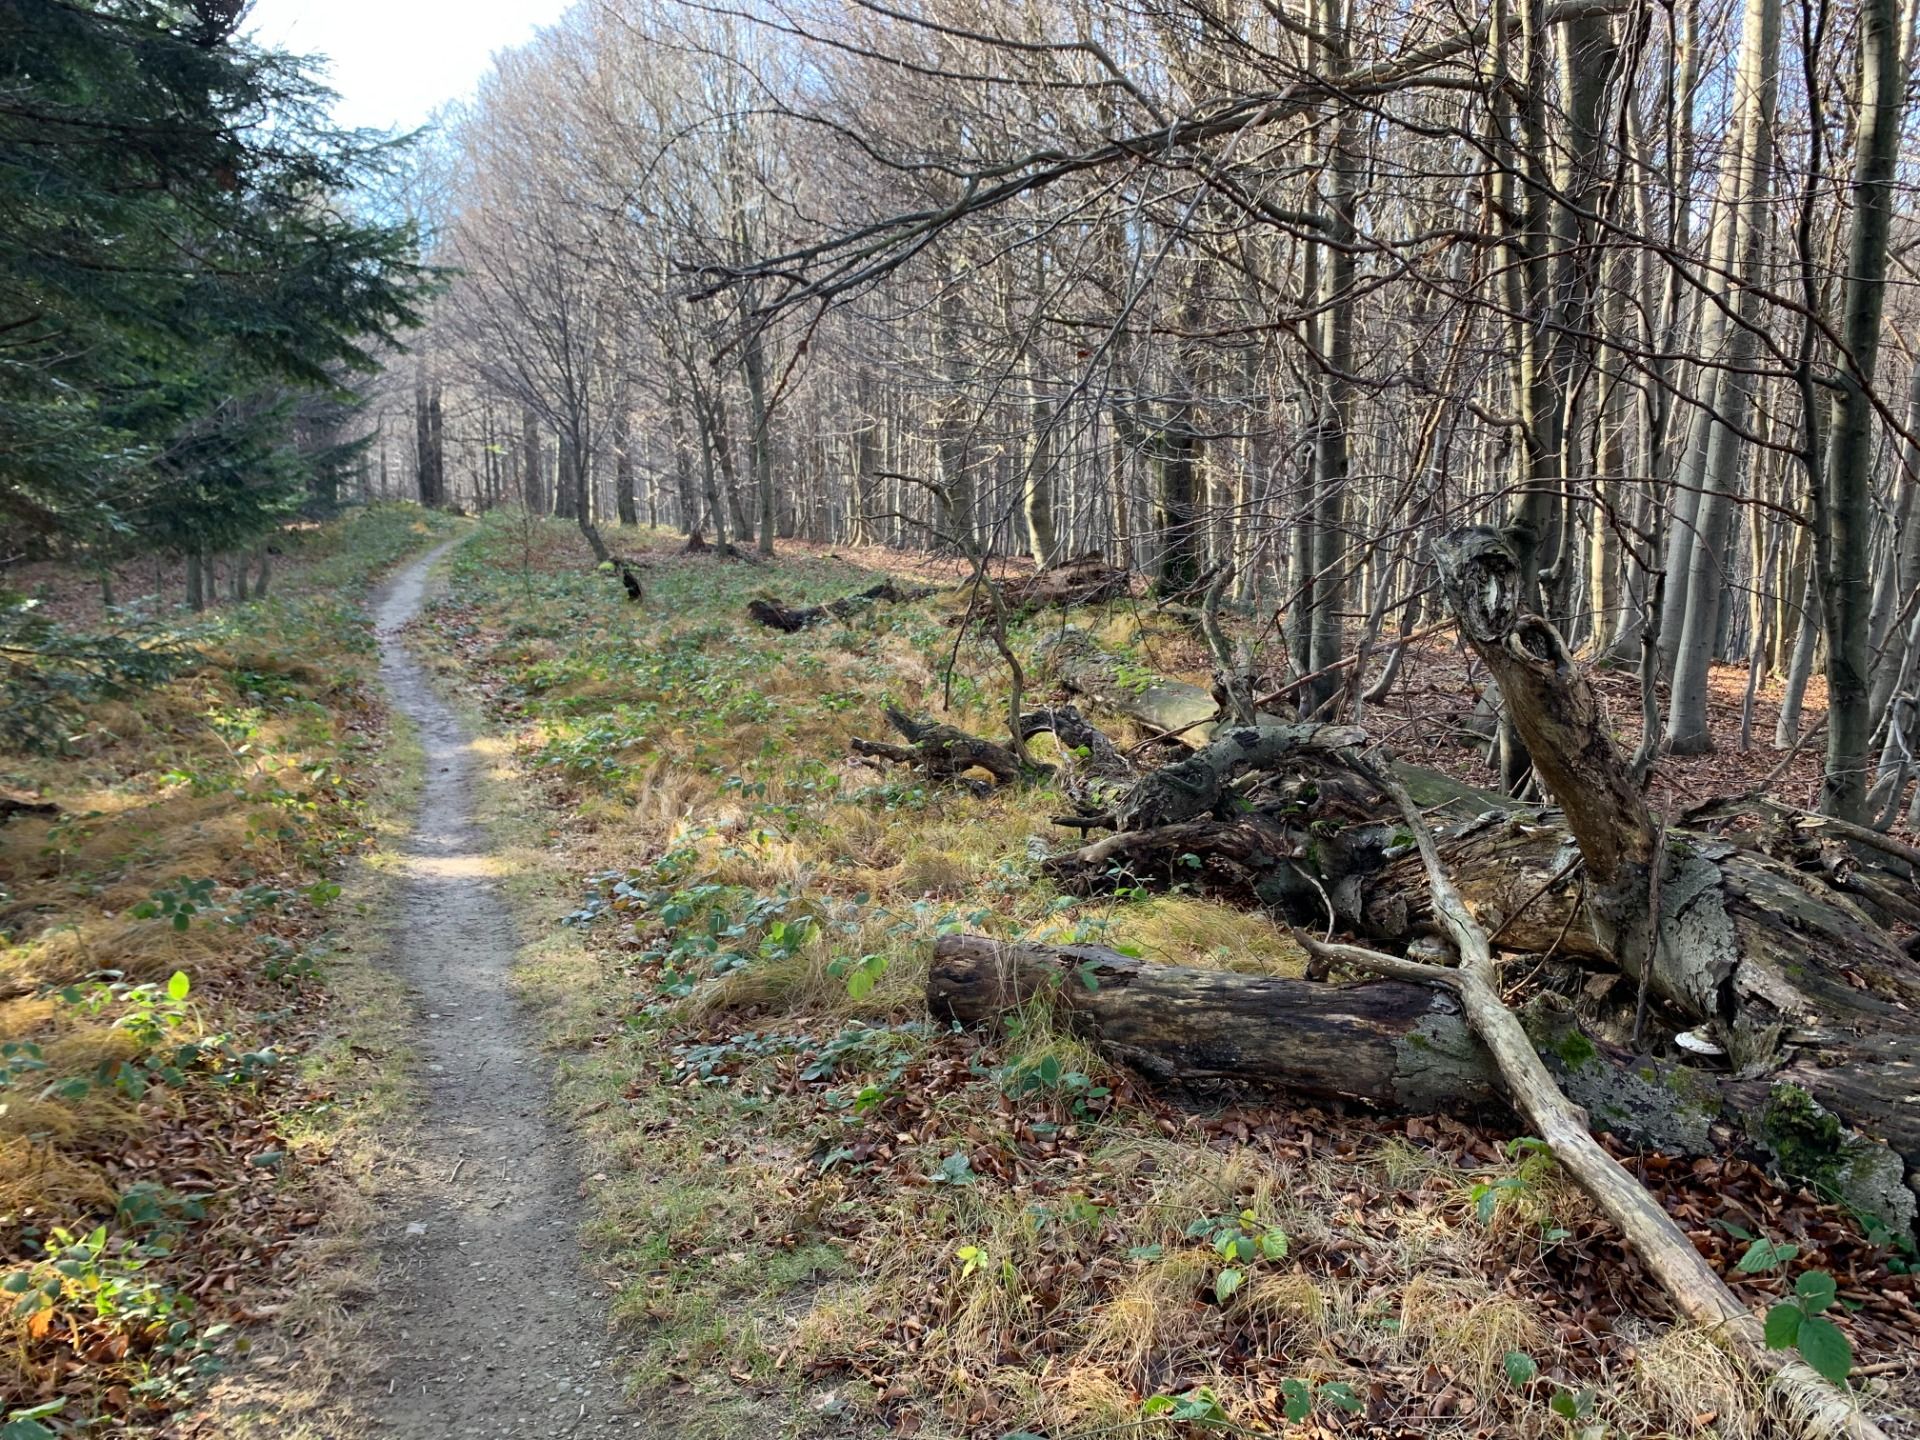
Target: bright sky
393	61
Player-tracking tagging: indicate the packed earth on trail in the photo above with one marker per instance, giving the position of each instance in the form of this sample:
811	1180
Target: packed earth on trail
978	719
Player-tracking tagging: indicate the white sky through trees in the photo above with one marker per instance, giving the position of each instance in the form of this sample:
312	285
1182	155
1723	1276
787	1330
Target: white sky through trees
393	61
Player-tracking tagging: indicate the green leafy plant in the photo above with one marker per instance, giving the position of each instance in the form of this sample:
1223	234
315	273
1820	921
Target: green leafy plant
1573	1406
26	1424
177	903
956	1169
1199	1406
17	1058
1241	1241
1298	1399
1799	1322
1047	1075
859	974
1533	1163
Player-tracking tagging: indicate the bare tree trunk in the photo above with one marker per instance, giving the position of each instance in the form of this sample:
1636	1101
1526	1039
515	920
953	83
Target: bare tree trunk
1043	541
1739	243
623	464
753	364
1843	496
532	481
682	457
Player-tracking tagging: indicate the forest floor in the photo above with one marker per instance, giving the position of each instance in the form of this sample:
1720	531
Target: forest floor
196	1050
825	1215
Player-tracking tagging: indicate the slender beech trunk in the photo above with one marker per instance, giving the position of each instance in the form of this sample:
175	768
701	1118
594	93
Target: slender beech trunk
1332	441
1043	540
753	366
1712	467
1843	496
623	464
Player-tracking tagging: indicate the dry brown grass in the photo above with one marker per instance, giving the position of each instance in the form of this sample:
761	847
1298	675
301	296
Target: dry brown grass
249	776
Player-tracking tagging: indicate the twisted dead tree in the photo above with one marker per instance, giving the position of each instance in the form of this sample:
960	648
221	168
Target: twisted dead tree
1764	946
1755	940
1769	950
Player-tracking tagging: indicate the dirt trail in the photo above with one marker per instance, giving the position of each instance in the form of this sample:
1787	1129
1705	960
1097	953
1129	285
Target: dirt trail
487	1325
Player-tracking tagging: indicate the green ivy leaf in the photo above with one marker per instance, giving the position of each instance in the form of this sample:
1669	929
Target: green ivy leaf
1765	1254
1340	1394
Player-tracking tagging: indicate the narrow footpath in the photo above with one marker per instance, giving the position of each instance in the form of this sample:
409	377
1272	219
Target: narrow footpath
487	1325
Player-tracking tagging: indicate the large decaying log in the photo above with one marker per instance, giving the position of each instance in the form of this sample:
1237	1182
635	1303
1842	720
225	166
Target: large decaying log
1395	1047
1767	958
1814	1406
1083	580
775	616
1199	784
1783	967
1191	715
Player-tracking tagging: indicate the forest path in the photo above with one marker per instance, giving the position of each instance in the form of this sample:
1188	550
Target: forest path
488	1325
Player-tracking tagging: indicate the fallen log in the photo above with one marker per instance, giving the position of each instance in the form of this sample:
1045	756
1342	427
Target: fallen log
1397	1047
1083	580
775	616
15	804
1198	784
1080	737
940	752
1393	1046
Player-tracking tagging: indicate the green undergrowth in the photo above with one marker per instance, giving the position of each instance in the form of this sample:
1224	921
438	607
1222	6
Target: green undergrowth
166	942
825	1212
